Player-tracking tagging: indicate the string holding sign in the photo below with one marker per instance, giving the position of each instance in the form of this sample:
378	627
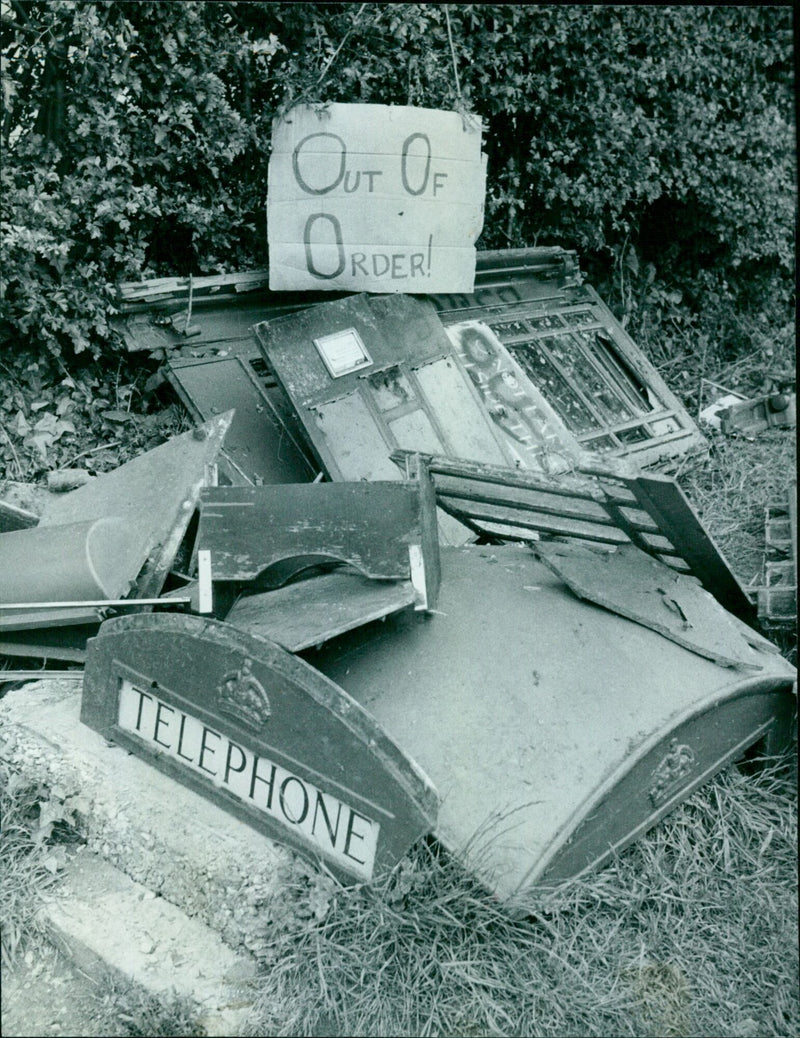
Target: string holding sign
375	198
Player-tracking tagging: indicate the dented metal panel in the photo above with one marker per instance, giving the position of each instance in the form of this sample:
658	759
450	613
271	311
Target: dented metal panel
261	733
311	612
637	586
375	527
555	731
156	493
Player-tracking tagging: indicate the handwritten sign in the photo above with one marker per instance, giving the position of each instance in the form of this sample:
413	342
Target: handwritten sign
375	198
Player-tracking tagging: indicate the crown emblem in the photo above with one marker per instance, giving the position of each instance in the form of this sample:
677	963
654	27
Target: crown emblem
243	697
671	772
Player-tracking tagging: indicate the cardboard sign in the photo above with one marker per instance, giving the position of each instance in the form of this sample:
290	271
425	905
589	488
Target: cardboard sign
262	734
374	198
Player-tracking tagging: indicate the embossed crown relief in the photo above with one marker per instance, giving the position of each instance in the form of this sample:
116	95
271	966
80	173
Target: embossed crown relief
243	697
671	771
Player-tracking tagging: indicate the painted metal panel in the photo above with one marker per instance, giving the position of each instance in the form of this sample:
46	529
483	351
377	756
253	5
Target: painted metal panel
261	733
349	440
311	612
575	731
258	446
156	492
646	591
368	525
96	559
450	399
415	427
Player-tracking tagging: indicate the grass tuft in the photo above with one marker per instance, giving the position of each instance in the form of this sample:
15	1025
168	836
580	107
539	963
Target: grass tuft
732	487
125	1011
36	824
692	931
25	871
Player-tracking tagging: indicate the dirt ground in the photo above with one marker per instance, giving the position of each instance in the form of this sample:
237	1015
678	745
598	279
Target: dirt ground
43	994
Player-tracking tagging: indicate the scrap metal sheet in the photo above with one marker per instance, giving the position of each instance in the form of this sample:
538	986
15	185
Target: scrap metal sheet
637	586
555	732
258	446
310	612
157	492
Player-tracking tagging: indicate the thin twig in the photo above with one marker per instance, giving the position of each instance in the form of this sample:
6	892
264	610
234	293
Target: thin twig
335	54
94	450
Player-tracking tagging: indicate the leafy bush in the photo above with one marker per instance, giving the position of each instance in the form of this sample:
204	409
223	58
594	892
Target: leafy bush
659	142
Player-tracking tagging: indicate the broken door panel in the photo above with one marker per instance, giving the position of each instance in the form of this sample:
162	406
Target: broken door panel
637	586
156	494
381	353
386	530
534	434
578	355
259	448
450	400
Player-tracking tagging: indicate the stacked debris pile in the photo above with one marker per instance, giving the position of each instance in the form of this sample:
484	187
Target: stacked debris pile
412	572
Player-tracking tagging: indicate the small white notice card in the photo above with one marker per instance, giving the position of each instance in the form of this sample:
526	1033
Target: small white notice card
343	352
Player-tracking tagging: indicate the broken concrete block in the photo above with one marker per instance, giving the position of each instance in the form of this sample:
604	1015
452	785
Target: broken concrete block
109	922
180	845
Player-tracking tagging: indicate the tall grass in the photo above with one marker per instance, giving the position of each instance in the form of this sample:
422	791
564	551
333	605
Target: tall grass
692	931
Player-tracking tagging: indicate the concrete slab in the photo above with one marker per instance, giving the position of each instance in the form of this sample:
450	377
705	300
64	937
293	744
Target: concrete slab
108	922
193	854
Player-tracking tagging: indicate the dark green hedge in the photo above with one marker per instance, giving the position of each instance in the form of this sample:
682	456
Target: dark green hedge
658	141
